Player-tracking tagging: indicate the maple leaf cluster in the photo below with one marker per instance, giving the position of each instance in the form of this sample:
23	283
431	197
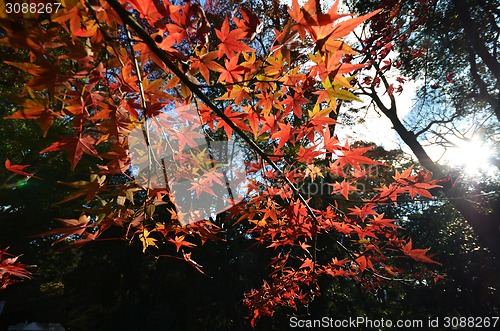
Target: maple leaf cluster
389	32
111	68
11	270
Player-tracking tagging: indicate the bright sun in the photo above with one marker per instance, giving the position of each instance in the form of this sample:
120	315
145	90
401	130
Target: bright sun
471	155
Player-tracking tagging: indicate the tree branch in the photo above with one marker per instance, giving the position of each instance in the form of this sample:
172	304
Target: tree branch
483	88
475	39
487	227
431	123
127	19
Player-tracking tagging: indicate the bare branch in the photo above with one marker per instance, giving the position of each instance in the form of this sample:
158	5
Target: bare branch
436	122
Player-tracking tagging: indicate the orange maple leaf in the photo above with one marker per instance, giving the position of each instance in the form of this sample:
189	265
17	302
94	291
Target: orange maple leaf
179	242
283	134
18	169
383	222
308	263
250	23
417	254
150	10
204	63
75	146
232	71
307	155
230	41
38	110
354	157
294	103
343	188
236	118
363	263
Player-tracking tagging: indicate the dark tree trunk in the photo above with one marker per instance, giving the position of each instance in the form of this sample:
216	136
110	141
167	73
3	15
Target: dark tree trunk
486	226
462	10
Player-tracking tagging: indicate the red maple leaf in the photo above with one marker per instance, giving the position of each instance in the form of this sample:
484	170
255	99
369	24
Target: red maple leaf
186	136
179	242
295	104
75	146
354	157
364	211
232	71
230	41
71	227
382	222
308	263
250	24
150	10
204	64
18	169
36	109
330	143
11	271
343	188
417	254
399	176
390	192
307	155
363	263
421	189
236	118
283	134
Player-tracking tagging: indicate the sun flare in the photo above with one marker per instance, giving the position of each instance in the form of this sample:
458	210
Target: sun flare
471	155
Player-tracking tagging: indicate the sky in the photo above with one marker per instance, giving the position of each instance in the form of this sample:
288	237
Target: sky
376	128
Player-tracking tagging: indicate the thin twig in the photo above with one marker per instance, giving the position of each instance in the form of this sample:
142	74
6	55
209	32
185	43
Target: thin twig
145	36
